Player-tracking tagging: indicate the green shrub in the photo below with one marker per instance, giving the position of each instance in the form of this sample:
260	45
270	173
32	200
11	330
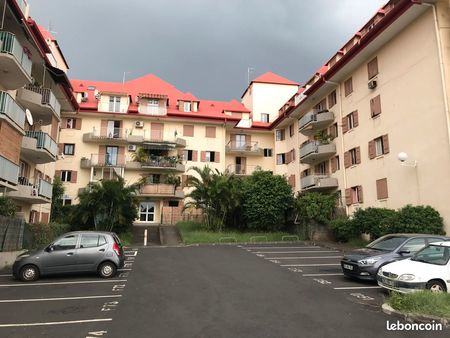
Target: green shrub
374	221
7	207
39	235
418	219
344	229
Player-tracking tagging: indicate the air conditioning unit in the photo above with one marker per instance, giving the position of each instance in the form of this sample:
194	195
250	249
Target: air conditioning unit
97	96
84	99
131	147
139	124
372	84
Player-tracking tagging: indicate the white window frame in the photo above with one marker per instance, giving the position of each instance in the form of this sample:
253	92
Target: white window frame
379	146
350	121
114	104
208	156
70	123
355	195
149	215
265	117
353	159
66	175
187	106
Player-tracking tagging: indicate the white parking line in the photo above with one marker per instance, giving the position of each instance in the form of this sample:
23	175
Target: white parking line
130	253
310	264
59	323
357	287
280	247
51	299
63	283
291	252
6	275
124	269
317	257
321	274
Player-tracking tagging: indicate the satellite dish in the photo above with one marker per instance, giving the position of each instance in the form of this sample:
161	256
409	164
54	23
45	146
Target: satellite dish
29	117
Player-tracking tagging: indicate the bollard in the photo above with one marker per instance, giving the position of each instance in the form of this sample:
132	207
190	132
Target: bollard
145	237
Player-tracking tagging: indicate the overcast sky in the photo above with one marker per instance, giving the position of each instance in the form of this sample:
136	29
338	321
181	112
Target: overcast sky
201	46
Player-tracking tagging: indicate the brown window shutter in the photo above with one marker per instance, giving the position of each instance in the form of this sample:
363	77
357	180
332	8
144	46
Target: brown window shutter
61	148
344	125
103	128
358	155
203	156
355	119
63	123
360	193
58	173
333	165
101	155
73	176
121	156
375	106
194	155
217	156
78	124
382	189
293	155
157	131
348	87
348	196
291	181
372	68
184	181
287	157
210	132
372	153
347	159
327	166
248	140
188	130
181	105
385	144
44	217
180	152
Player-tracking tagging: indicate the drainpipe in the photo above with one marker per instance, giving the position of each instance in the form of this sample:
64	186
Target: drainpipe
3	15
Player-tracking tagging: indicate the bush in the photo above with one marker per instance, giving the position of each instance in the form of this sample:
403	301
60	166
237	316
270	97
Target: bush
418	219
423	302
344	229
7	207
39	235
374	221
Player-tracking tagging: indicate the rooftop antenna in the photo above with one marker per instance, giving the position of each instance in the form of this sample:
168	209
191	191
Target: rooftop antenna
249	70
124	75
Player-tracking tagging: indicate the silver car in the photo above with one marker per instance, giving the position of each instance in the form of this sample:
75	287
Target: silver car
80	251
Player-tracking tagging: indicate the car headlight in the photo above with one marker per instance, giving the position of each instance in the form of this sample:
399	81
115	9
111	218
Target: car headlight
22	256
406	277
369	261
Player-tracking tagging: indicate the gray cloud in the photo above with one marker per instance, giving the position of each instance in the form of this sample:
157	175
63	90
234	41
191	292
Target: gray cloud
201	46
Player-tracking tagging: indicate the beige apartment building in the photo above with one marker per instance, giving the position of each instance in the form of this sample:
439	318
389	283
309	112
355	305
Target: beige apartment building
34	90
373	122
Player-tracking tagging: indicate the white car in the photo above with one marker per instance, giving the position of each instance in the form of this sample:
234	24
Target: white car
428	269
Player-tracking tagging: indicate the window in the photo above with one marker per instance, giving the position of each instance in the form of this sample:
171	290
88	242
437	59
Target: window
173	204
321	106
350	121
382	189
101	240
66	175
89	241
348	87
379	146
113	129
413	245
188	130
291	130
67	201
281	159
335	165
210	156
332	99
114	103
146	211
187	106
210	132
111	155
70	123
356	194
69	149
334	131
353	157
279	134
265	117
321	168
375	106
153	103
187	155
379	149
372	68
153	179
66	243
267	152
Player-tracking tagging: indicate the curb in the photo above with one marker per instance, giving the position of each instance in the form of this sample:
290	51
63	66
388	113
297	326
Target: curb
414	317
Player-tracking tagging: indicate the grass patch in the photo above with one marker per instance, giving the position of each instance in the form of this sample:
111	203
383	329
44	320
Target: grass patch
192	232
126	237
423	302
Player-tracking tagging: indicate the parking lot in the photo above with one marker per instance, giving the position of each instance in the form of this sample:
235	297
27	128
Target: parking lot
66	306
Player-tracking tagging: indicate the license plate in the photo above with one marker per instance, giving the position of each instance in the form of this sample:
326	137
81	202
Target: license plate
347	266
387	281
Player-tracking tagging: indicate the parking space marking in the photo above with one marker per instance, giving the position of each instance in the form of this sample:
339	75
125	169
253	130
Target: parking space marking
8	275
322	274
63	283
280	247
292	252
357	287
330	264
58	323
124	269
52	299
309	257
130	253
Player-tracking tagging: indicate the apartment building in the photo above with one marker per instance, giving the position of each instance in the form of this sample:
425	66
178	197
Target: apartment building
384	94
34	90
149	132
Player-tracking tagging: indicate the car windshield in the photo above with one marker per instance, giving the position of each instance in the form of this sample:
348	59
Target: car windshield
388	243
433	254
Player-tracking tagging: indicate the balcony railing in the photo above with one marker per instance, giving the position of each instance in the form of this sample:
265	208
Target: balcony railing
103	160
44	141
314	151
239	169
318	182
9	171
45	189
152	110
10	108
10	45
48	98
245	147
314	120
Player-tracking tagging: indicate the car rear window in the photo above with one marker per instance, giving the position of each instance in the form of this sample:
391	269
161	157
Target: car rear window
89	241
101	240
116	239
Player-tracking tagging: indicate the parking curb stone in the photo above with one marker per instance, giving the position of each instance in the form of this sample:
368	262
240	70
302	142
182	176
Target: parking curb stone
414	317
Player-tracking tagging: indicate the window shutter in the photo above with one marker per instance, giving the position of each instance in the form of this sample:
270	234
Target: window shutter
372	153
385	144
157	131
344	125
217	156
194	155
375	106
248	140
355	119
333	165
293	155
203	156
188	130
58	173
101	155
184	181
347	159
291	181
372	68
61	148
103	128
327	166
78	124
358	155
382	189
121	156
360	193
73	177
348	196
348	86
64	123
210	132
44	217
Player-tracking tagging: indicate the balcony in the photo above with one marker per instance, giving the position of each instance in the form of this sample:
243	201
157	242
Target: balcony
15	62
102	160
316	151
9	173
41	101
244	148
107	135
11	111
157	164
313	121
318	183
152	110
38	147
160	190
40	193
242	170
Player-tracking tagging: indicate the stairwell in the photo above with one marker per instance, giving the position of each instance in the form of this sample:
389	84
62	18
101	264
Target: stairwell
156	235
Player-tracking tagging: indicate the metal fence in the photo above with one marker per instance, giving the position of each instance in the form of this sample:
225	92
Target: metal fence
11	233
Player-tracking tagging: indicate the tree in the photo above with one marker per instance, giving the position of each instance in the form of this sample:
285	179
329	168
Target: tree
266	200
57	213
106	205
7	207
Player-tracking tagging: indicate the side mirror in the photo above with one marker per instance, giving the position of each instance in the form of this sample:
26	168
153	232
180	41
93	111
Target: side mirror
50	248
404	252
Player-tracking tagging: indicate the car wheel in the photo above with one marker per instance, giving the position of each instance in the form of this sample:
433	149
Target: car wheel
436	286
107	270
29	273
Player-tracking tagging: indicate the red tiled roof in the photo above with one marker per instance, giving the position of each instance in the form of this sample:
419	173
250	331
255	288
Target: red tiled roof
270	77
46	34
